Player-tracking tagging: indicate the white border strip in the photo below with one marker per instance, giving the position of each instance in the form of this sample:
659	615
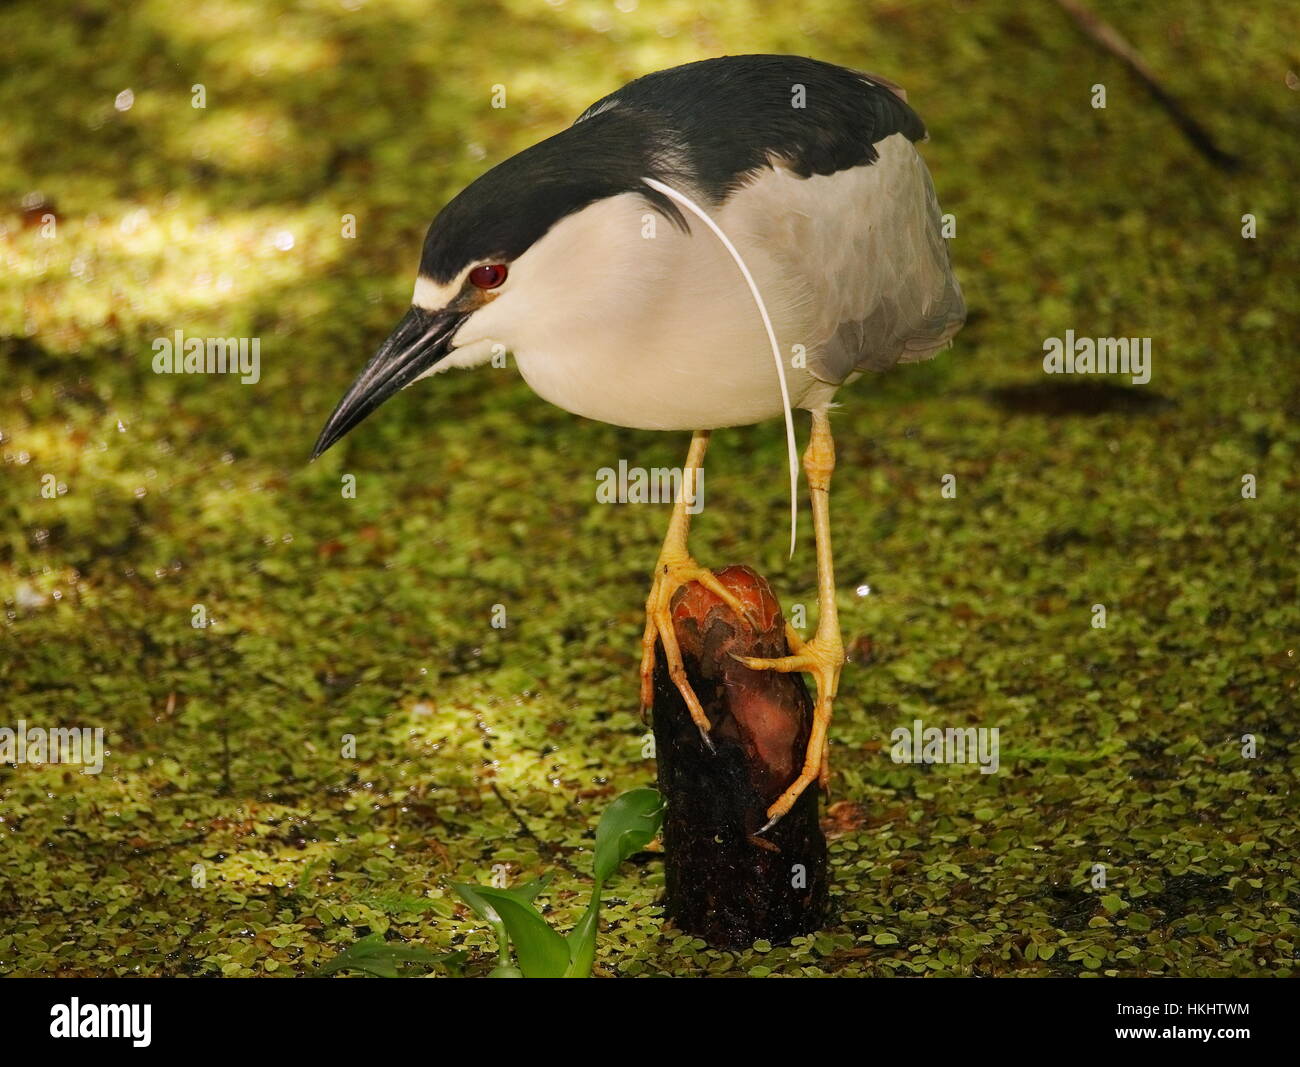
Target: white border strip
695	209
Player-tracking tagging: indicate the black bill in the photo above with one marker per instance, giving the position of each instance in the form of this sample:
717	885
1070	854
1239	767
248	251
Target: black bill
420	340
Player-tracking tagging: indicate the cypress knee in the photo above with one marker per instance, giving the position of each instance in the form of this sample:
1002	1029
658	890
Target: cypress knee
724	883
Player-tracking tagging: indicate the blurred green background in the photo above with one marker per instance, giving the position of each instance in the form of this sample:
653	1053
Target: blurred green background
370	616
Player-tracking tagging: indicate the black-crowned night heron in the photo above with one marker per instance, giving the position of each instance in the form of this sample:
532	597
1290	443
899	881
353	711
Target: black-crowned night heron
801	246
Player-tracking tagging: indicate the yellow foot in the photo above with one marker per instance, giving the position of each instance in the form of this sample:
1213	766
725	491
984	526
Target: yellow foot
823	658
671	573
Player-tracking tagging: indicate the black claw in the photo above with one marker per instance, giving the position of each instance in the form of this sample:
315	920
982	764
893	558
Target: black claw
708	741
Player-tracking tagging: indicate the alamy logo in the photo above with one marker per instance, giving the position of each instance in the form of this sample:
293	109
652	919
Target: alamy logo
75	1019
179	354
1098	355
658	485
930	744
24	744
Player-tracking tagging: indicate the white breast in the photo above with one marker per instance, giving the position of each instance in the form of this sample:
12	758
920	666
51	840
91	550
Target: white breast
655	332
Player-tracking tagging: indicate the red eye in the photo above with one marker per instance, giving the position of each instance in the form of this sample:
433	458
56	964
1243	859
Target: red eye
488	276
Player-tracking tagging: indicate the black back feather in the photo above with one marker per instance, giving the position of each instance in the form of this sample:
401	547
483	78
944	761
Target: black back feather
709	126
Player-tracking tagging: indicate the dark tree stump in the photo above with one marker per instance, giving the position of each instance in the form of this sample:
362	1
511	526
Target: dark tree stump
723	883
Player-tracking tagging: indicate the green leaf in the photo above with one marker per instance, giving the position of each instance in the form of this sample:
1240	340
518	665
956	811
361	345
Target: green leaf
628	825
523	894
542	953
582	940
375	956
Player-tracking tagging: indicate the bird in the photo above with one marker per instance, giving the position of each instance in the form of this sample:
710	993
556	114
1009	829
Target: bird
713	245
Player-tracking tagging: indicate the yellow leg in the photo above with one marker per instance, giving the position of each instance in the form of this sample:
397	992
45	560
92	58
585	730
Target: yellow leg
676	568
823	656
796	642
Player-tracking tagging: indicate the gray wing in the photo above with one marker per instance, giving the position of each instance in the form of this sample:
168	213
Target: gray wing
888	293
